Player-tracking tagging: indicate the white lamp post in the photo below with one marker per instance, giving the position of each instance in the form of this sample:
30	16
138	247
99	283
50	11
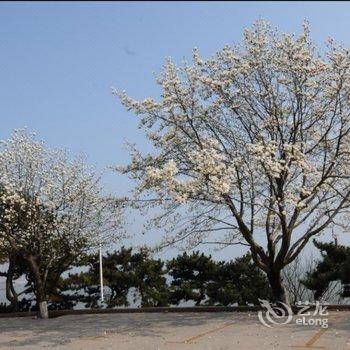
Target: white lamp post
101	275
99	224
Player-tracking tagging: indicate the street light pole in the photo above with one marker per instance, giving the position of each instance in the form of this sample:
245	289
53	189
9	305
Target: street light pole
99	224
101	275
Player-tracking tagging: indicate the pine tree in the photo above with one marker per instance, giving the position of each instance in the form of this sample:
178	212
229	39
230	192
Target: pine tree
123	271
238	281
334	266
191	274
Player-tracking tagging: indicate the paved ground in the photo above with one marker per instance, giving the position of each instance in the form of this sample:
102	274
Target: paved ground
169	331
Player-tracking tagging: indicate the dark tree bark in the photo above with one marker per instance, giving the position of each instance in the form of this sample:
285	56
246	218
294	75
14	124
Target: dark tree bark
40	284
11	294
279	292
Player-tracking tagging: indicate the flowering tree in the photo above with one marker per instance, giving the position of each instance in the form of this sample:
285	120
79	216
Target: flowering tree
251	146
51	209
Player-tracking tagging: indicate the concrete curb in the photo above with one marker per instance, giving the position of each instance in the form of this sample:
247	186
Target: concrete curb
57	313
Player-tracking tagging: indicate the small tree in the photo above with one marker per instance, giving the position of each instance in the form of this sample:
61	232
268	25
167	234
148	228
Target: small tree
199	278
149	279
238	281
191	275
334	267
252	143
48	210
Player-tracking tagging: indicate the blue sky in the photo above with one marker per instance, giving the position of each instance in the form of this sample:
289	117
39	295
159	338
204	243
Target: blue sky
59	61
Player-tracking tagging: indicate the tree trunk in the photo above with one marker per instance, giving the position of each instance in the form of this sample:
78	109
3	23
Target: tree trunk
43	311
42	304
40	291
11	294
11	297
278	290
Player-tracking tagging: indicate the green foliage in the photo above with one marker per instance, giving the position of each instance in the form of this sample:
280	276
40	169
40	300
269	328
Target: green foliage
122	271
55	286
131	275
199	278
335	265
149	279
191	276
238	281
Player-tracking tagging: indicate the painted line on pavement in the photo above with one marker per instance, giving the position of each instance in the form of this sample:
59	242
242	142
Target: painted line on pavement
201	335
310	343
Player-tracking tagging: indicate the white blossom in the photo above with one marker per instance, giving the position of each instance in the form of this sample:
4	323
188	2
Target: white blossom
49	200
253	141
